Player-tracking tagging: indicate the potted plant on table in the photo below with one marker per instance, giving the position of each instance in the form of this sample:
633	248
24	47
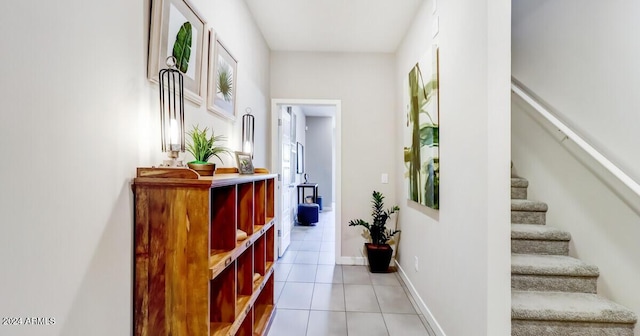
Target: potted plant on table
203	147
378	251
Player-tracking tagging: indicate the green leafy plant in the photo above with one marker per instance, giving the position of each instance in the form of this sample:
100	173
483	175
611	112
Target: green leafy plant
225	81
377	230
203	147
182	47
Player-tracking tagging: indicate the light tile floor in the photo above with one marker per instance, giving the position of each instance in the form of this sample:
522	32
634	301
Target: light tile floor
316	297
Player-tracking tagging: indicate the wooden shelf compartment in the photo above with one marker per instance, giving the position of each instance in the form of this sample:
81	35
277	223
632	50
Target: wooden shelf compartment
223	218
260	202
245	306
223	301
245	207
245	272
219	329
259	255
270	243
264	309
246	328
270	206
219	260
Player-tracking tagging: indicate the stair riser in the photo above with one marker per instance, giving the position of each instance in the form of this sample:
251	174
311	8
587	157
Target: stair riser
518	193
554	247
528	217
554	328
554	283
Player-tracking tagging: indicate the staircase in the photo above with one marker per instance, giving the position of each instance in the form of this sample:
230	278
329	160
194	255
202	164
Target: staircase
553	294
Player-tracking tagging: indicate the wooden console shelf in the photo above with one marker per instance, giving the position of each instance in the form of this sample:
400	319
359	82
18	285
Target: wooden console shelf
193	276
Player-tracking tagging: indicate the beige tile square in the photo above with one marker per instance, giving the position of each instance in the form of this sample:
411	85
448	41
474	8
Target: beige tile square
296	295
328	297
302	273
313	246
281	271
360	298
366	324
355	275
329	274
305	257
327	323
385	279
288	257
393	299
404	325
289	323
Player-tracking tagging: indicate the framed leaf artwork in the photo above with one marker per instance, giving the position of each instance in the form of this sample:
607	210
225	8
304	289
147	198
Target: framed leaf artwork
222	80
422	132
178	30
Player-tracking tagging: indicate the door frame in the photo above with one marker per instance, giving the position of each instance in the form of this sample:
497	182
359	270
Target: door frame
275	158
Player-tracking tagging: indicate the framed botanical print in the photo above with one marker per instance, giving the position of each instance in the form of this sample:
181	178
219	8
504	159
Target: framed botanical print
222	79
179	31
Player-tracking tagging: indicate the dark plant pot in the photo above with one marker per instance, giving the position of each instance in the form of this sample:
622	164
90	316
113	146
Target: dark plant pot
379	257
203	169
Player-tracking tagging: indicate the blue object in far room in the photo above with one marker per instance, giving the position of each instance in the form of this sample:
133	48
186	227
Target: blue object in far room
308	213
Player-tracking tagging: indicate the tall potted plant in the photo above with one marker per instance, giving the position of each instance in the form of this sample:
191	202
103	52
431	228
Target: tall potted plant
379	252
203	147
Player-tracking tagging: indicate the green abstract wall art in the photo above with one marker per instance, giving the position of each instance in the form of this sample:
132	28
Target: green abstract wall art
182	47
422	132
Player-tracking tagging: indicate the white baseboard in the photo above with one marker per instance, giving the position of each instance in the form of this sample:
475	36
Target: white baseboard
420	303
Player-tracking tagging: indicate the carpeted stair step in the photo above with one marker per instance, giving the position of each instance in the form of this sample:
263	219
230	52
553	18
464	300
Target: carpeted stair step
535	272
528	212
519	188
557	313
539	239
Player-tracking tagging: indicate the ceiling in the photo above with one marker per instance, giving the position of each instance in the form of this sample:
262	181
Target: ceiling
334	25
318	110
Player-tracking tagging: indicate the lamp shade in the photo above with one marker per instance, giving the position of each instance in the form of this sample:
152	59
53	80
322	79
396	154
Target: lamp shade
172	109
248	132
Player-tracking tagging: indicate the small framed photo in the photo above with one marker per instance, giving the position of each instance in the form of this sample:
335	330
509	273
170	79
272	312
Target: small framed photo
245	164
222	79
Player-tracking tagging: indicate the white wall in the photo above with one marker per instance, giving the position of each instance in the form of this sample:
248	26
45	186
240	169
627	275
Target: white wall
319	156
581	58
464	248
79	115
364	83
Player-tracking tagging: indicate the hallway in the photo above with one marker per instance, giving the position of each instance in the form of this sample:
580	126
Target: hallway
315	297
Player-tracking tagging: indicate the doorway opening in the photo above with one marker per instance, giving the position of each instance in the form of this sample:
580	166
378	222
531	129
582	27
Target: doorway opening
306	142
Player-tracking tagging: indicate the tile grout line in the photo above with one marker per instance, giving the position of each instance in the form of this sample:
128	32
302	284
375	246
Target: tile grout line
379	306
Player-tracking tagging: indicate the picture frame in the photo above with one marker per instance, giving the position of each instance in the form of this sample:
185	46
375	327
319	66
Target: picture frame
300	159
245	164
222	88
168	32
421	152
